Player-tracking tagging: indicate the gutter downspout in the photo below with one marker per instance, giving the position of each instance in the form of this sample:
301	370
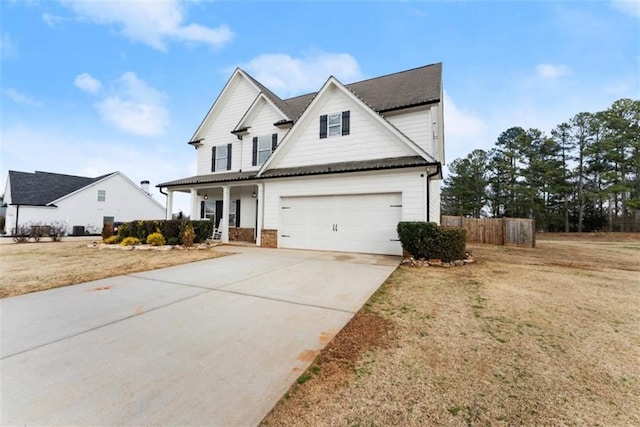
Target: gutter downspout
15	233
165	202
429	176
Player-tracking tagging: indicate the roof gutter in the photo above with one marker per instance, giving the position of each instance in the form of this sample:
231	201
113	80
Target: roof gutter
404	107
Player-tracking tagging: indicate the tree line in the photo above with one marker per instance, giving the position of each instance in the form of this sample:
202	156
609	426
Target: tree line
584	176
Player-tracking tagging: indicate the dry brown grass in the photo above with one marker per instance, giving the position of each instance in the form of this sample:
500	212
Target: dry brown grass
544	336
31	267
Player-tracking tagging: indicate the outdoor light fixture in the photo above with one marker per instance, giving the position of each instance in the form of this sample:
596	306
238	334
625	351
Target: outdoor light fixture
206	197
253	194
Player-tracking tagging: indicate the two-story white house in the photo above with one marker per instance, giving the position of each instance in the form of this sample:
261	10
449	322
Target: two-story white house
332	170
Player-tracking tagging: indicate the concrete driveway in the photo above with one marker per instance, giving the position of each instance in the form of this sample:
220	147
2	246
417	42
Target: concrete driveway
216	342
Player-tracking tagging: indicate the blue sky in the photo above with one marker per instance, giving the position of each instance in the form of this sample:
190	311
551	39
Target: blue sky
92	87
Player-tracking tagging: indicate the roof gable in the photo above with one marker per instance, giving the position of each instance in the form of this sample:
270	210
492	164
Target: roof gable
303	135
43	188
223	97
255	108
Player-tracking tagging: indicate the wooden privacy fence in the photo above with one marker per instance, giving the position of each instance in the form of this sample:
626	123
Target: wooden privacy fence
495	231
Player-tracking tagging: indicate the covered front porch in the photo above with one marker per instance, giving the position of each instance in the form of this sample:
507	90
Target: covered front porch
236	208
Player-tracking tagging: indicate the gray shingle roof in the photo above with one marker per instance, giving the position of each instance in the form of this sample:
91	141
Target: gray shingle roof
404	89
341	167
41	188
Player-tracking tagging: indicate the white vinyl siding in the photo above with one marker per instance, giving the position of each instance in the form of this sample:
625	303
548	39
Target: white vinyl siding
417	125
368	139
217	131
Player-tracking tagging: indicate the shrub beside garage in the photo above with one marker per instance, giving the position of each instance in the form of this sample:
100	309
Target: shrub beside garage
428	240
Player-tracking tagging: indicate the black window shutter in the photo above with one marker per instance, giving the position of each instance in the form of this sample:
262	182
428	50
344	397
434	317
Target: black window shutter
237	213
228	157
323	126
254	159
274	141
345	122
213	159
202	209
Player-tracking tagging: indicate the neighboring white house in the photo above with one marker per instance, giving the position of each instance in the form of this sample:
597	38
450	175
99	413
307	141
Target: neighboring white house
333	170
84	204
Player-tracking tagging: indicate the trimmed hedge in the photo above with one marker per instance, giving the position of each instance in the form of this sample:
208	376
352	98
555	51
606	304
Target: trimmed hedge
170	229
428	240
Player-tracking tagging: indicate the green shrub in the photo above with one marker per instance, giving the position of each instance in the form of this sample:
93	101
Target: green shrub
203	230
130	241
428	240
111	240
172	228
173	241
155	239
124	230
188	236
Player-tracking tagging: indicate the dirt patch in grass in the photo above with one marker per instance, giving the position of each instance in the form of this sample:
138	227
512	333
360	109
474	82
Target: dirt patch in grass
544	336
31	267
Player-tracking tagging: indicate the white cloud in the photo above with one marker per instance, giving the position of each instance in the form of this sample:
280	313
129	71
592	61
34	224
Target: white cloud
629	7
135	107
551	71
152	22
287	76
87	83
464	131
20	98
8	48
460	123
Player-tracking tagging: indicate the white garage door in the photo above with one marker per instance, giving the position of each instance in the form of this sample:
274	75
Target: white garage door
353	223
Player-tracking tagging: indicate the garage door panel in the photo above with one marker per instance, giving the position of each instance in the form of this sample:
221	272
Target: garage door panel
351	223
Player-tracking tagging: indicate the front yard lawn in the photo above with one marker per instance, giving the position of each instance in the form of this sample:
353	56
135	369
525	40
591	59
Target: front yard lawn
544	336
31	267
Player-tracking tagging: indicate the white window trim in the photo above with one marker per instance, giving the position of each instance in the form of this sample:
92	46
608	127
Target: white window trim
268	139
335	126
102	195
219	158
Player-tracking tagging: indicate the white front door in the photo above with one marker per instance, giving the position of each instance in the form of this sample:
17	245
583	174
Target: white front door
349	223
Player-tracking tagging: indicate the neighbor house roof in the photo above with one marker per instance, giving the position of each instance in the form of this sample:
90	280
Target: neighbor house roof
357	166
418	86
41	188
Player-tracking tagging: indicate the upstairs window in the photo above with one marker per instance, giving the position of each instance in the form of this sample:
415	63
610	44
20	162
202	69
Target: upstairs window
102	195
263	146
221	158
335	124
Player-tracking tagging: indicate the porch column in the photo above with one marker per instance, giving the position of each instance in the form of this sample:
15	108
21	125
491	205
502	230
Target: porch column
260	214
225	214
195	209
169	211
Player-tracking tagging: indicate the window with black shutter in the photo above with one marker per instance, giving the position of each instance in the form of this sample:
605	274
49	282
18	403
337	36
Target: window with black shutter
335	124
263	146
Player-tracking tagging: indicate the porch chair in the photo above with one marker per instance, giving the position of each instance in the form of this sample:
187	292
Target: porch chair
217	232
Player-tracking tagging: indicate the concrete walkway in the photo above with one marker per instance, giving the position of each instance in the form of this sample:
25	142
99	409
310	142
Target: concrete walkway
216	342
